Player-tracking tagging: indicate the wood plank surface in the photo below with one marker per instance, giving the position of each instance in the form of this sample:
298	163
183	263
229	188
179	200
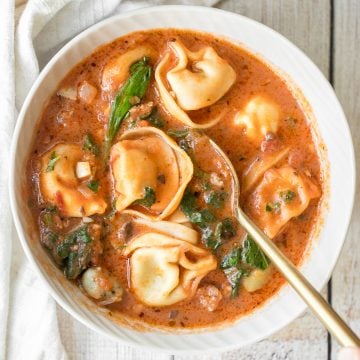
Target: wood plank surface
89	349
304	22
346	80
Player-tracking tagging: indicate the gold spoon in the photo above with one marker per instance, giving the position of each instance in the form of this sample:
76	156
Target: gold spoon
324	312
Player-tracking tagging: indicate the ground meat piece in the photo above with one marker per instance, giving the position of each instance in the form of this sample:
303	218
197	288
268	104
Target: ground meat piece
209	297
143	109
173	314
295	159
138	308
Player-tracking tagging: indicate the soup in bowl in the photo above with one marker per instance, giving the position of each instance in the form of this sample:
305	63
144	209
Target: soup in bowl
128	206
133	203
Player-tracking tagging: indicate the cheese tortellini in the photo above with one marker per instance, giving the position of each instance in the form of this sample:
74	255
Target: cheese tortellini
116	71
259	117
147	160
198	80
258	167
281	195
166	265
60	185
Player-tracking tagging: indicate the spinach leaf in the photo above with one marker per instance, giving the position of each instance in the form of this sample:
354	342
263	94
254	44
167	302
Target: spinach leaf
203	175
49	239
53	160
90	145
135	86
253	255
212	236
234	275
215	198
186	144
233	269
75	249
213	230
188	204
77	262
138	65
191	210
231	259
202	217
71	269
205	186
228	228
148	199
80	235
93	185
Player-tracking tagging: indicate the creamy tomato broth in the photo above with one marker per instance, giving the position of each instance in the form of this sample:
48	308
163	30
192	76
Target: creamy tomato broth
133	203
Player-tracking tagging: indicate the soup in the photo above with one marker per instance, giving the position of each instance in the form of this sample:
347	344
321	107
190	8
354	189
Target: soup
134	204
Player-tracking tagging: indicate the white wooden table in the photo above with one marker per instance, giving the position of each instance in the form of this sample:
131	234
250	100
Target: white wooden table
328	31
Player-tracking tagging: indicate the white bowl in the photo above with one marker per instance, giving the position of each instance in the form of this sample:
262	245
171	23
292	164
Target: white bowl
318	264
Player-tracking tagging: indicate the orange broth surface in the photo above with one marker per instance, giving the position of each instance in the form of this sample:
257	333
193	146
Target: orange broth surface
68	121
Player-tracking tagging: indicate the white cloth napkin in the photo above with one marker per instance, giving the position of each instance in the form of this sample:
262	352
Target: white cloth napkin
30	33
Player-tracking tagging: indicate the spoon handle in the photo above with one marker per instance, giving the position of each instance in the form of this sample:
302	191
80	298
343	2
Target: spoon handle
325	313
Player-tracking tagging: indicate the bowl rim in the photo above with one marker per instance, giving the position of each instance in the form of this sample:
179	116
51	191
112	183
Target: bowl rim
15	141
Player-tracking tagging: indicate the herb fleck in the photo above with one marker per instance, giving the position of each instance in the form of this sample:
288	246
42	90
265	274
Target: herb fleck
287	196
90	145
178	133
53	160
231	259
215	198
149	198
93	185
212	237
